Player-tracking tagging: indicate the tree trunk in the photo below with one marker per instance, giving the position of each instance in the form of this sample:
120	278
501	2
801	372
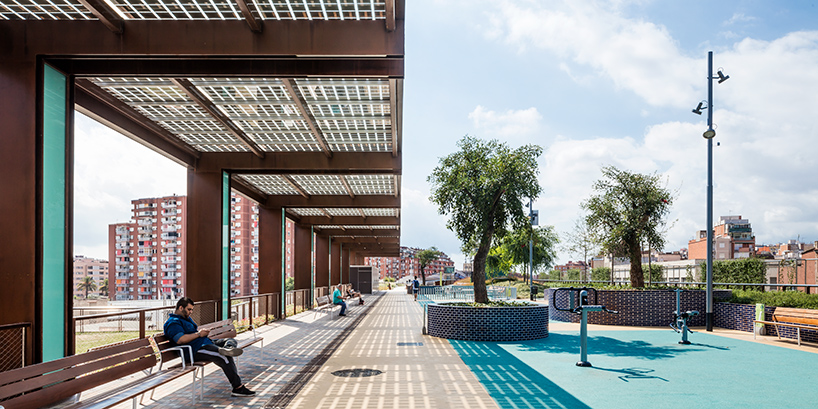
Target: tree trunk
637	278
423	274
479	274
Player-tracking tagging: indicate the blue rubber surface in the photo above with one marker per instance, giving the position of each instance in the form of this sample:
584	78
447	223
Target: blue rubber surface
643	369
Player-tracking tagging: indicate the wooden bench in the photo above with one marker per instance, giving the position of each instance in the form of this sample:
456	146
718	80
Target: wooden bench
797	318
56	381
323	304
218	330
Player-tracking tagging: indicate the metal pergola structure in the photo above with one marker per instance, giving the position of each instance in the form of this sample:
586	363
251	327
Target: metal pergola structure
295	104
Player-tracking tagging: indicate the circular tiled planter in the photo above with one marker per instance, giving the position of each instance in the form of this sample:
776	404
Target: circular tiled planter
521	323
640	308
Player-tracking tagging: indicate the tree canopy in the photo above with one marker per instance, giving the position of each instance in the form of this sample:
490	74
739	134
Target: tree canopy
515	245
481	188
87	284
426	257
628	209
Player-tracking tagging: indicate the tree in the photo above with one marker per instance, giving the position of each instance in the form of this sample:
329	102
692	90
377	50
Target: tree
103	288
498	262
426	257
482	188
515	245
628	209
581	241
87	284
601	274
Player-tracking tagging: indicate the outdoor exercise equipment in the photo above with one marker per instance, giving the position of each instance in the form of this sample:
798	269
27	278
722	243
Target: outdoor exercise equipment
680	319
579	296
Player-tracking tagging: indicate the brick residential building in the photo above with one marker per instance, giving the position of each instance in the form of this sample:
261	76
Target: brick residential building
407	264
89	267
732	238
146	255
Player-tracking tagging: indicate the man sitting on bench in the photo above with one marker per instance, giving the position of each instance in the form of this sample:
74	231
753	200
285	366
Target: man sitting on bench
181	329
338	299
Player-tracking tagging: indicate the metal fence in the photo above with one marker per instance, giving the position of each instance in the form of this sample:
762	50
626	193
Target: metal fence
256	309
13	339
102	329
808	288
463	293
297	301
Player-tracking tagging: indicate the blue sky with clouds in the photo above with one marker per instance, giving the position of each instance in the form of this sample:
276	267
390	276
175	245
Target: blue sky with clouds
595	83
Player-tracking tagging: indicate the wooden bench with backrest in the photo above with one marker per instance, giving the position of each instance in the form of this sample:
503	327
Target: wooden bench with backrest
798	318
218	330
56	381
324	304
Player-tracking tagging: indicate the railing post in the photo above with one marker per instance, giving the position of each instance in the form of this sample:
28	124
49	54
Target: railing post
251	310
141	324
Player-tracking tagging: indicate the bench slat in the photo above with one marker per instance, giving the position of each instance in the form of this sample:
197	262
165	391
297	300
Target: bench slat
69	361
133	361
64	390
133	389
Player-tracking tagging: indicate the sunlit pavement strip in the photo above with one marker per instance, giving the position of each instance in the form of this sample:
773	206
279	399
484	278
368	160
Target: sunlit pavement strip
288	346
644	368
430	375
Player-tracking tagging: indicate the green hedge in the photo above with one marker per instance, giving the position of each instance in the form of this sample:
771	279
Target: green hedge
794	299
746	270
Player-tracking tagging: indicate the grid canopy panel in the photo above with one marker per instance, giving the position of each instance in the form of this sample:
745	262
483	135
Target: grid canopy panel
345	211
198	9
320	185
277	115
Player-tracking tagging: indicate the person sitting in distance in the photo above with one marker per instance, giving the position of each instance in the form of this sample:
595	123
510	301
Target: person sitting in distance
338	299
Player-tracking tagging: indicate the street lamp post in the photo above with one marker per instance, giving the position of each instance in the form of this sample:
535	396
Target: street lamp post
709	134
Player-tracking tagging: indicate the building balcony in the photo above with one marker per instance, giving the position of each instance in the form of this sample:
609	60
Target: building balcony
169	205
121	262
169	244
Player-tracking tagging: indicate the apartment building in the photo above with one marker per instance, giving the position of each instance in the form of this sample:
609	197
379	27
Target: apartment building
243	246
146	255
94	268
732	238
407	264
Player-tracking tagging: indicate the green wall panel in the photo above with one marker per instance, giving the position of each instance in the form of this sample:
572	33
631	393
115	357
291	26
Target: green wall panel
54	203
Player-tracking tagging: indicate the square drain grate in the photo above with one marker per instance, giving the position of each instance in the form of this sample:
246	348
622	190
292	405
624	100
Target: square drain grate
410	344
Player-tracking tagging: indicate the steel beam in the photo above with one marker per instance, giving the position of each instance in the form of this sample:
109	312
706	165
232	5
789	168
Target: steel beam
105	14
326	201
226	38
396	113
248	190
361	232
367	240
301	104
296	186
305	163
106	109
350	220
204	102
255	23
346	186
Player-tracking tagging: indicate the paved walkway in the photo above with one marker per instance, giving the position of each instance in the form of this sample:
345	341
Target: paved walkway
294	368
379	344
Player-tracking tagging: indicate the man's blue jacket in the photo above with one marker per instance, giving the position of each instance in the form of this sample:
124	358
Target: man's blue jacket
176	326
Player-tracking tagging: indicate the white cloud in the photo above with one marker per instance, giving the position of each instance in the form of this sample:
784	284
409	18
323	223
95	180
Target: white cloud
509	125
634	54
738	18
110	170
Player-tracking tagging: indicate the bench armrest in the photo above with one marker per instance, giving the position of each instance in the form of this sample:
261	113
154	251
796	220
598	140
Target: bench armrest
181	350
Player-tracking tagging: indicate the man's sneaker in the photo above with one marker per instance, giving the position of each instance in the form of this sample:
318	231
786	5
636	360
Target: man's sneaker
231	351
242	391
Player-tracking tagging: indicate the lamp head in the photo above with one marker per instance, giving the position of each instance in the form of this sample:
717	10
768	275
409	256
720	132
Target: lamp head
709	134
722	77
698	110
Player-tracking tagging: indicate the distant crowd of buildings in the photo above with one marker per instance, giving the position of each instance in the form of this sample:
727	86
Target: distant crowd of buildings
146	255
733	238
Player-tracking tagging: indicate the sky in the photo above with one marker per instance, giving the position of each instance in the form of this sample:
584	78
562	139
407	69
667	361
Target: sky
595	83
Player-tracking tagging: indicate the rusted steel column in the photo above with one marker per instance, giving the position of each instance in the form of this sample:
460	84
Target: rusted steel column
269	250
204	236
302	258
335	263
321	261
